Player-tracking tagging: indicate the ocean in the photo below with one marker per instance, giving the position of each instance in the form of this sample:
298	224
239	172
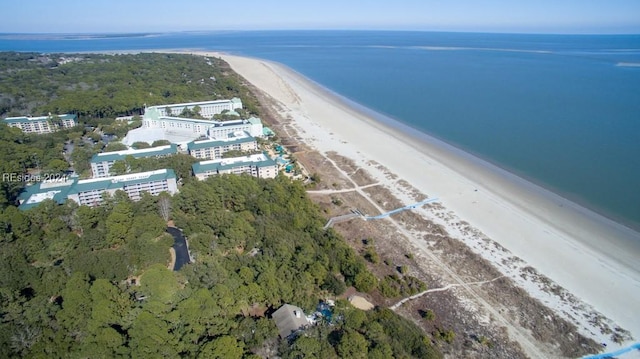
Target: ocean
562	111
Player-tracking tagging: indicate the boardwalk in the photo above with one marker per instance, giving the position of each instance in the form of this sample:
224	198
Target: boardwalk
356	213
411	206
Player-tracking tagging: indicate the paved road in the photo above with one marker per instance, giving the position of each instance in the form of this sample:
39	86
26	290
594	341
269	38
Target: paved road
180	246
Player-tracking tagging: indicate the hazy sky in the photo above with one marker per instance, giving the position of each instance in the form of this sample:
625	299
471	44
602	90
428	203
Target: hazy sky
556	16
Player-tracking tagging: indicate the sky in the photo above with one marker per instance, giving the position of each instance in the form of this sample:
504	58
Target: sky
114	16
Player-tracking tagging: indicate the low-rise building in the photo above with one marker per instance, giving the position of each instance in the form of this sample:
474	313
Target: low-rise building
42	124
214	148
101	163
90	192
259	165
289	319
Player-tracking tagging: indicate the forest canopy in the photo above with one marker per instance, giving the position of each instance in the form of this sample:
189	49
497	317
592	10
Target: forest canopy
106	86
66	289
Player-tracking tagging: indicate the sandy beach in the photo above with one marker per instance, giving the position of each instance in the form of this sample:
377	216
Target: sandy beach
593	259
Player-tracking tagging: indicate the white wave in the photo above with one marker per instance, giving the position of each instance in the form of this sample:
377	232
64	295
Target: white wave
628	64
454	48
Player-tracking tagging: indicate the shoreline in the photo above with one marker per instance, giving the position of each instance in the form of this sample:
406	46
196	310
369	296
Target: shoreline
587	223
492	173
401	131
569	246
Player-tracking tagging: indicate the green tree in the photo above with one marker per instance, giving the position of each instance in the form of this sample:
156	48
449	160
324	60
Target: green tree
354	318
118	223
110	305
224	347
352	345
76	305
115	146
151	337
118	168
140	145
57	166
159	286
158	143
365	281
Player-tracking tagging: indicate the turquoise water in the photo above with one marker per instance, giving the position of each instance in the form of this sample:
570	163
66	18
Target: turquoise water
554	109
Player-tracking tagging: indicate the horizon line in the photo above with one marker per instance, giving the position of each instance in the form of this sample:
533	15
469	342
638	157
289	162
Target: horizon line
139	32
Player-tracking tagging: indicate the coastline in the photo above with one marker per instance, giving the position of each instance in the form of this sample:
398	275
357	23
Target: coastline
590	256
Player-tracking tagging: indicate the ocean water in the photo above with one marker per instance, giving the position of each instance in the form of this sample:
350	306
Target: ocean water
562	111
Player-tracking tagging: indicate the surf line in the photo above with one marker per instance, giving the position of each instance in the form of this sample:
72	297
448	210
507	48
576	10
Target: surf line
635	346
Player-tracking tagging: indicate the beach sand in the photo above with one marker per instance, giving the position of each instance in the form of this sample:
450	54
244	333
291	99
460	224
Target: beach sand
592	258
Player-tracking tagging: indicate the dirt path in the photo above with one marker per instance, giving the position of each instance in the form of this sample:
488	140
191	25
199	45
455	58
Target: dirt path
446	287
516	333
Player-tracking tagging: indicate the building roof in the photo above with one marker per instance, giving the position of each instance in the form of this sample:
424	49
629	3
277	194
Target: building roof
144	152
289	319
266	131
234	100
32	195
258	160
196	145
22	119
255	121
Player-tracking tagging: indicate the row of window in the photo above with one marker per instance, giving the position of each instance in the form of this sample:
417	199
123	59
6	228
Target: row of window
134	191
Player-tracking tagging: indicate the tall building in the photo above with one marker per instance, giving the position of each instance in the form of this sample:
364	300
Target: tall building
259	165
161	123
90	192
214	148
42	124
206	108
101	163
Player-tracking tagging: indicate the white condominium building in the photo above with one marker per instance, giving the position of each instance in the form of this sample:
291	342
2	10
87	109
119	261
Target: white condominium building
206	108
259	165
213	148
101	163
90	192
195	127
42	124
161	122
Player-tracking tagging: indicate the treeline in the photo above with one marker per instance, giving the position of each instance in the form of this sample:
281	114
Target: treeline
257	244
106	86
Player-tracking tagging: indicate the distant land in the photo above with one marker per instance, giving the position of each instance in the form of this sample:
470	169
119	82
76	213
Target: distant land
54	36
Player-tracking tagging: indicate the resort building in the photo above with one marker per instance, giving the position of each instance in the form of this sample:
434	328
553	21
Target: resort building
160	122
90	192
101	163
206	108
259	165
213	148
42	124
